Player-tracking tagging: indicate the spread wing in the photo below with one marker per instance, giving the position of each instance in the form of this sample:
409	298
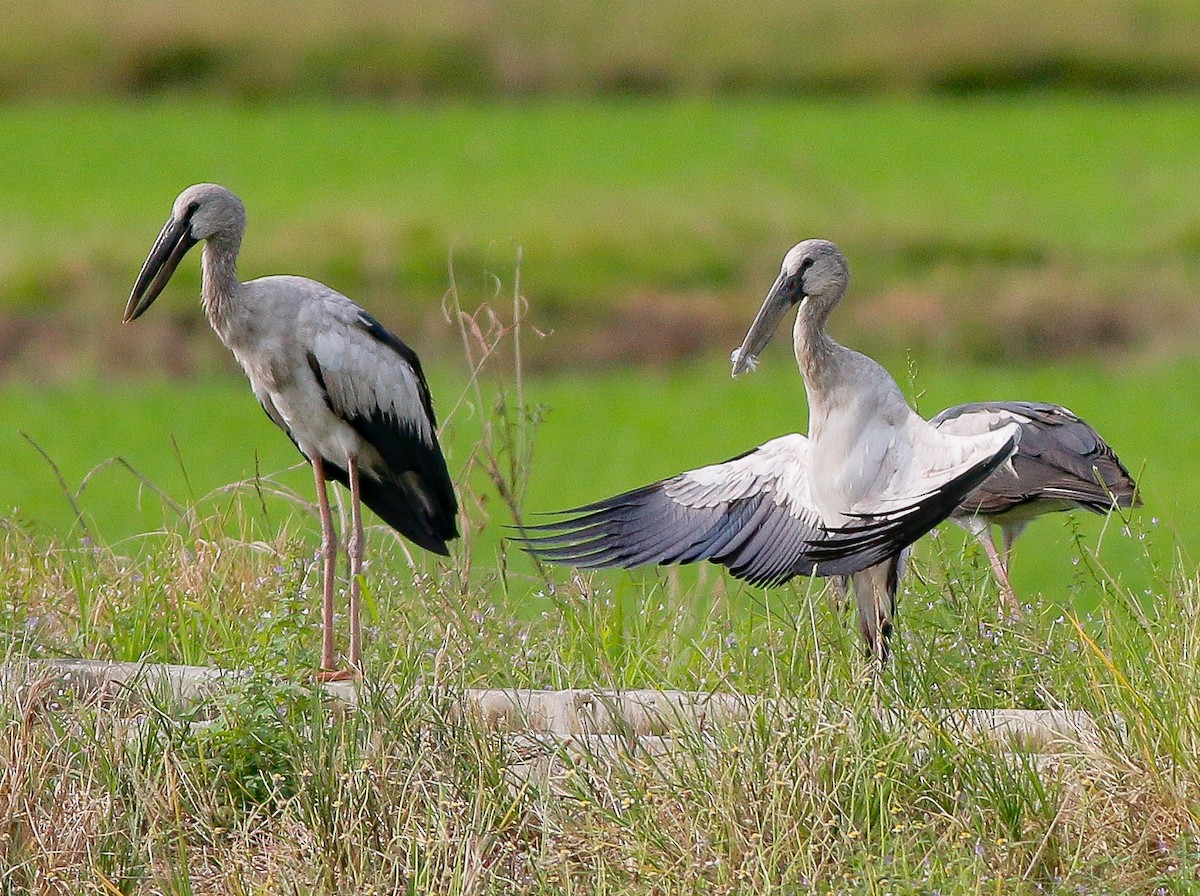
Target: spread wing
753	514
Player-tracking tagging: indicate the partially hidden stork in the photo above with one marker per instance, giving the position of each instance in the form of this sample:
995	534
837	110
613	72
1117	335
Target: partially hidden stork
347	392
871	477
1061	463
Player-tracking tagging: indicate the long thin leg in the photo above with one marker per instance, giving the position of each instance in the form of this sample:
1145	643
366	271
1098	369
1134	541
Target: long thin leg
355	550
1008	597
875	594
1008	536
329	563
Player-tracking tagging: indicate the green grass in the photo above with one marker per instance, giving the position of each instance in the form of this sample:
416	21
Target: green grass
600	434
529	171
993	228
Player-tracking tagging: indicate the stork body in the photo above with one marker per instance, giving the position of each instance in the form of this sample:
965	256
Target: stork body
870	450
870	478
1061	463
346	391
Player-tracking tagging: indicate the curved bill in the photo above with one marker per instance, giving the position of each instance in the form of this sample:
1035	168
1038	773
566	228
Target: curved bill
172	244
779	301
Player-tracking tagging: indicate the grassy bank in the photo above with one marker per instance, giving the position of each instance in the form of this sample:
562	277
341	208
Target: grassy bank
269	790
456	47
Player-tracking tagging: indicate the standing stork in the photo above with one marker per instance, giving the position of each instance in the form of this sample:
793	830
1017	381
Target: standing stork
871	477
349	394
1061	463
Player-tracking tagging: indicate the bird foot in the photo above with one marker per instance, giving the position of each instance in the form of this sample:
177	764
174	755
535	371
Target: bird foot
324	676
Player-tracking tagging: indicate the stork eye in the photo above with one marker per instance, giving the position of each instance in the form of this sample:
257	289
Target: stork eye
795	283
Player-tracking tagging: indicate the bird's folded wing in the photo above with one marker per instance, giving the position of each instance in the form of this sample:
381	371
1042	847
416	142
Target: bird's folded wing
1063	457
753	514
374	383
1060	456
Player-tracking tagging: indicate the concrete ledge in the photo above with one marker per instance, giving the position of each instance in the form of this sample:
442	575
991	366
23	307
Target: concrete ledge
581	721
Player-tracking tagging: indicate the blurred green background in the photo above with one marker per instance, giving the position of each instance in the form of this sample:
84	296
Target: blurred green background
1016	185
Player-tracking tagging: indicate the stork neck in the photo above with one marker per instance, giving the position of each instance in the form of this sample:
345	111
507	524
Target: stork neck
219	280
814	349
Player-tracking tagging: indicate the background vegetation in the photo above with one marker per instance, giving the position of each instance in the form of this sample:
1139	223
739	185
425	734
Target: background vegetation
987	230
519	47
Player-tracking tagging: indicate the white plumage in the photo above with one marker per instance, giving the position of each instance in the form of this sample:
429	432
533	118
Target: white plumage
776	468
871	478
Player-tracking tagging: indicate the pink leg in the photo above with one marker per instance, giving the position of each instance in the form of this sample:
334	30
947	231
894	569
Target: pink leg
355	550
329	567
1008	536
1008	597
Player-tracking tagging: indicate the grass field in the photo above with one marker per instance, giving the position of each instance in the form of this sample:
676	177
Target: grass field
191	441
995	229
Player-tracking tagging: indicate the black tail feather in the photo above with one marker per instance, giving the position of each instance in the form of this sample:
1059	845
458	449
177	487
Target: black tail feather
424	516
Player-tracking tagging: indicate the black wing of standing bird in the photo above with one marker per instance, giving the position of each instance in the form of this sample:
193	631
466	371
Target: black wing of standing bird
1061	459
374	382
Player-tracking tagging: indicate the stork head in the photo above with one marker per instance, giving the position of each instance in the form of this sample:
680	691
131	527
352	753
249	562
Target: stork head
812	270
201	212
